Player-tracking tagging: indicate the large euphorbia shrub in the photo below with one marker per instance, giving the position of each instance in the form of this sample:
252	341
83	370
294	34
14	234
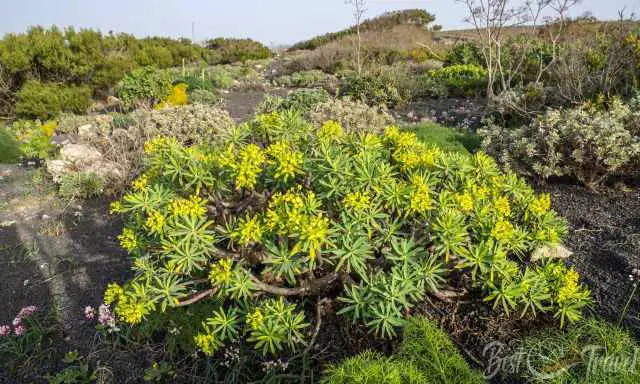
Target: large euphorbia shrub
278	210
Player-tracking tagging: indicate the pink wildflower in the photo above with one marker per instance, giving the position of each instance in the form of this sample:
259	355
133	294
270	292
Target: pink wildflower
5	330
27	311
20	330
106	317
89	312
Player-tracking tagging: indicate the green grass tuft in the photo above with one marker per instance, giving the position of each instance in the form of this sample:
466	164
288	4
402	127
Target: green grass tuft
447	139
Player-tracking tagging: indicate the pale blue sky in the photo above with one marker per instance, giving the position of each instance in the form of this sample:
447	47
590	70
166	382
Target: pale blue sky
270	21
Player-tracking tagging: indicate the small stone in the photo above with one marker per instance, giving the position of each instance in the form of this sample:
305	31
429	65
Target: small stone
46	217
551	252
26	282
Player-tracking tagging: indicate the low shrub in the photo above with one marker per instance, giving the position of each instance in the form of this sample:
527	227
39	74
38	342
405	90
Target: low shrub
301	100
590	143
464	53
463	79
426	355
34	138
37	100
221	78
445	138
202	96
590	352
9	147
80	185
144	87
425	86
306	79
226	50
372	89
278	211
353	116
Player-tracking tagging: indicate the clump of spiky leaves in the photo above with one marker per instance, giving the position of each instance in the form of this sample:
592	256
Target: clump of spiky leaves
591	351
278	210
426	355
81	185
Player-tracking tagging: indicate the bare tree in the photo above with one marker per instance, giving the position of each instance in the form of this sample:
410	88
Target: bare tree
492	18
358	11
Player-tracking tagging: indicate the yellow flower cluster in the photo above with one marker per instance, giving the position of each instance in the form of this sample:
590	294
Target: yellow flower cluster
115	207
178	96
370	141
285	212
330	130
155	222
194	207
288	162
140	183
465	201
128	239
421	201
249	166
314	231
156	144
130	310
357	201
207	343
221	272
49	128
570	288
113	293
249	231
255	319
503	231
540	205
502	206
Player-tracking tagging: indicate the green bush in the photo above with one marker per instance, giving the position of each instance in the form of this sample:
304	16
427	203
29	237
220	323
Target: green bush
221	78
353	116
300	100
465	53
9	147
590	352
226	50
372	89
290	201
445	138
80	185
34	138
203	96
462	80
425	356
590	143
306	79
144	86
37	100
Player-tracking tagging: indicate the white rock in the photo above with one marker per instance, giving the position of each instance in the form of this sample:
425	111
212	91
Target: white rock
80	154
551	252
58	168
87	130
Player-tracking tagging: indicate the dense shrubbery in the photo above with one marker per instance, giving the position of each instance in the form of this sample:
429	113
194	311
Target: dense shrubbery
33	138
308	79
590	143
144	87
426	355
592	352
372	89
465	53
300	100
462	80
38	100
383	22
353	116
225	50
278	209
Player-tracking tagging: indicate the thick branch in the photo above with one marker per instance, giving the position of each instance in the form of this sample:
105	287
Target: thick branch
197	297
308	288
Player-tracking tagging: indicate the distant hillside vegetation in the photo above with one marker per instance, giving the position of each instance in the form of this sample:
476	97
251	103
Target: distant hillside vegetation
383	22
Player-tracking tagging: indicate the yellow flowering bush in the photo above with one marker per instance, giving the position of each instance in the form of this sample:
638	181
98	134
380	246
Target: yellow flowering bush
279	215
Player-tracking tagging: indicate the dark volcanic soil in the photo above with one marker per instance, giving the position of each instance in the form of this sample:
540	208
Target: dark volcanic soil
605	239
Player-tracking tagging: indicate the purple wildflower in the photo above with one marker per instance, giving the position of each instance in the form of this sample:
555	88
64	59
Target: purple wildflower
106	317
27	311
